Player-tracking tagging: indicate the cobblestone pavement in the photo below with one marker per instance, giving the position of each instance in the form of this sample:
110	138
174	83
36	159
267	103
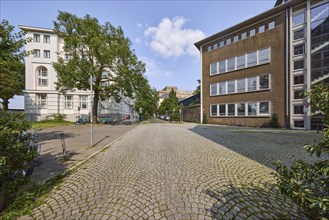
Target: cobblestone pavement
181	171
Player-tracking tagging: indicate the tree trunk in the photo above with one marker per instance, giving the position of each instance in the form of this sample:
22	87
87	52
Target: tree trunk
5	103
95	105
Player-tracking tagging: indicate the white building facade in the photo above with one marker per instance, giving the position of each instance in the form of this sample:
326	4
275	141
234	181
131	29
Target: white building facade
41	97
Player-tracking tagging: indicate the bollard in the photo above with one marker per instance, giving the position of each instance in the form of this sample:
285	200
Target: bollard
63	145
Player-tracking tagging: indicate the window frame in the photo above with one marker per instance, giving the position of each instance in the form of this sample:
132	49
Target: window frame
42	76
68	103
81	102
270	26
42	101
261	29
46	38
36	38
36	53
252	32
211	110
46	54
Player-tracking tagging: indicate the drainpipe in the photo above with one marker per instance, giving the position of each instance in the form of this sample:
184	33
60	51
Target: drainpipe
287	65
201	88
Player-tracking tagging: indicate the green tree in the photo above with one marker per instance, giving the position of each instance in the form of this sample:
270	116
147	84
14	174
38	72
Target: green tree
308	184
146	100
98	51
198	88
12	68
14	153
169	104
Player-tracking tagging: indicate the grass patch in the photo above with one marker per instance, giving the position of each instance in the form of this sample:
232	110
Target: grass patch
49	124
30	196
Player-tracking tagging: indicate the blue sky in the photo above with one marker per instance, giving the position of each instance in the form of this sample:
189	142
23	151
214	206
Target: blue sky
162	32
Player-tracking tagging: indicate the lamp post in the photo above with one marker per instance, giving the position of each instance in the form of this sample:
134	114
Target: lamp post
91	112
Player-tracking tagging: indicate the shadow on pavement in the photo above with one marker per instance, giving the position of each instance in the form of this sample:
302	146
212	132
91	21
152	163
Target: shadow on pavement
252	202
264	146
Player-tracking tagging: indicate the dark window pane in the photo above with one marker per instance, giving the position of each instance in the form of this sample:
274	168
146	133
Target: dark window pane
299	49
231	109
299	79
299	34
241	109
264	108
298	109
299	64
214	110
298	124
298	94
222	109
264	82
252	108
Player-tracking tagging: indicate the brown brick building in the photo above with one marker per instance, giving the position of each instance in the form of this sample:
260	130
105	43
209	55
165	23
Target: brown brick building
259	67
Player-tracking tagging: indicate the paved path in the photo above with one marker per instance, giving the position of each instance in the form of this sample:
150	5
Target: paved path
175	171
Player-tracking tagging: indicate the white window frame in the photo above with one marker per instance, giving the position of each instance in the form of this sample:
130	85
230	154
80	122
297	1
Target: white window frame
68	103
46	54
43	74
36	53
260	27
46	39
243	35
81	101
42	101
216	92
211	113
271	23
252	32
36	38
258	108
235	38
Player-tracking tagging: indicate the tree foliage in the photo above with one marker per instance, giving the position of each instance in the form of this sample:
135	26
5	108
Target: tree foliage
169	104
308	184
15	154
12	68
146	100
198	88
98	51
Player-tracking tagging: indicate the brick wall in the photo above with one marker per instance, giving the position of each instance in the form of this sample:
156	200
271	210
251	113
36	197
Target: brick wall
191	114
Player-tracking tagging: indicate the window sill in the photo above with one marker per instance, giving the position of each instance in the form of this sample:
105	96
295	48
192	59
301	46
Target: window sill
237	93
257	65
241	116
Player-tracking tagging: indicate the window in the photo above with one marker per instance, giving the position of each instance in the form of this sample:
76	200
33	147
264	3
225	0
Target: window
252	108
241	85
299	49
299	34
243	35
235	38
46	39
271	25
222	66
231	64
264	56
252	32
261	29
83	102
231	109
298	123
264	82
221	44
213	89
215	46
299	79
68	102
36	53
320	12
222	88
46	53
241	108
42	76
252	83
222	109
209	48
228	41
241	62
36	38
213	68
264	108
231	86
298	64
252	59
298	94
298	19
214	109
298	109
42	100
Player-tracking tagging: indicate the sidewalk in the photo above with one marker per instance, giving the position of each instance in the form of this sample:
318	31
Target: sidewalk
77	142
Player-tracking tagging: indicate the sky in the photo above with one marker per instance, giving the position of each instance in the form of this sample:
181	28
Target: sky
162	33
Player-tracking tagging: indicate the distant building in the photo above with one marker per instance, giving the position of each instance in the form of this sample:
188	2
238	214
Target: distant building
41	97
181	94
191	109
262	65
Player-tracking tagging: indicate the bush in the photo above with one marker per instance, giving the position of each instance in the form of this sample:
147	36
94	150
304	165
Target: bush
56	117
174	117
308	184
274	121
15	153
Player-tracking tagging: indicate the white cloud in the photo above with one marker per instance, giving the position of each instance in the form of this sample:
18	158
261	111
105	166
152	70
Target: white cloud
155	68
138	40
170	39
139	25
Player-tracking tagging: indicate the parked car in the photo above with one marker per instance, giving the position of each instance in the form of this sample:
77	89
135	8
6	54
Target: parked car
104	119
162	116
82	119
167	118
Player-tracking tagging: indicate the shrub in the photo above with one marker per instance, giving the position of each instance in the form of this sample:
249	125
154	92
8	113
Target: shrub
274	121
15	155
174	117
56	117
308	184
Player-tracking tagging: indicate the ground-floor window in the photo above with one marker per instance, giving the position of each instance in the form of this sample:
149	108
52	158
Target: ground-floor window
68	102
298	123
42	100
83	101
261	108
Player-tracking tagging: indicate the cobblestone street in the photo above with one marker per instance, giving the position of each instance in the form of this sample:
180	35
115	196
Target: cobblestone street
182	171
